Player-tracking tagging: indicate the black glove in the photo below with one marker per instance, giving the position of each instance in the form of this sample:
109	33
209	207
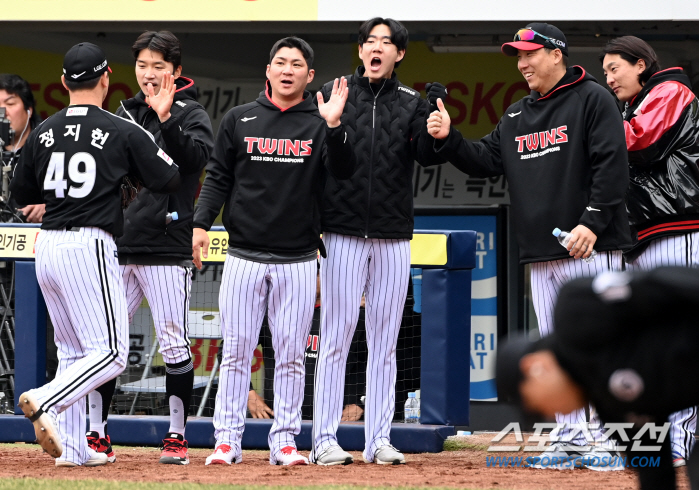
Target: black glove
435	91
129	190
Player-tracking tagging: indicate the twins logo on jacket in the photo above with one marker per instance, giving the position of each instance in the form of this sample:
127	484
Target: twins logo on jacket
542	139
286	147
279	152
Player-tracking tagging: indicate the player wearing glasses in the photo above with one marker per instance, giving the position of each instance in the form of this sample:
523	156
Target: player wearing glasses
562	150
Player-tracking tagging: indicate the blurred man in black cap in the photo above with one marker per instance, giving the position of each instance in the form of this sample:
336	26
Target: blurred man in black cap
608	349
562	150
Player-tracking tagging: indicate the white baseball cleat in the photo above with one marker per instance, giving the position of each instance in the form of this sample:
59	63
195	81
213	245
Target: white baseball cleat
223	454
289	456
334	455
96	459
44	426
387	455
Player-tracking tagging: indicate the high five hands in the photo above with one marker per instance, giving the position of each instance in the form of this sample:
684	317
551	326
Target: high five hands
332	109
162	102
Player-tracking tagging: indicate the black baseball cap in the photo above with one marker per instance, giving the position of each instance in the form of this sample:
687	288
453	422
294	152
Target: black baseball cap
84	61
534	36
508	374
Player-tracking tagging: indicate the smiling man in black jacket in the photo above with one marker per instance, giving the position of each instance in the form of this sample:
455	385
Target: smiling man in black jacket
562	150
367	227
269	167
155	252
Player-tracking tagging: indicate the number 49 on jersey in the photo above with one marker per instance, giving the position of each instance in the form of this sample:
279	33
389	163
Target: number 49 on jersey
81	170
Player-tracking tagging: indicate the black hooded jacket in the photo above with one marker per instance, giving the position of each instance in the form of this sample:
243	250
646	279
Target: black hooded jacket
188	138
269	169
565	161
662	136
386	126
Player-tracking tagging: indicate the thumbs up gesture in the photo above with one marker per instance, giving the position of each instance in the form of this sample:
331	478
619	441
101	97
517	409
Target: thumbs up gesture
439	122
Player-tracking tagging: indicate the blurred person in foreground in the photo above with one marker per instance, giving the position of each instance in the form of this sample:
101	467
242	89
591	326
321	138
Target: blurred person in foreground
619	341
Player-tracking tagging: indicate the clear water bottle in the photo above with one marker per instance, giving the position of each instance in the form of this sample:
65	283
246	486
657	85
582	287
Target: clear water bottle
564	237
412	409
170	217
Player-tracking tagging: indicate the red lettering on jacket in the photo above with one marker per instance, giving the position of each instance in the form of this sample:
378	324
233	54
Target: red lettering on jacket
542	139
532	141
251	142
292	147
312	342
547	138
281	146
561	136
267	145
306	146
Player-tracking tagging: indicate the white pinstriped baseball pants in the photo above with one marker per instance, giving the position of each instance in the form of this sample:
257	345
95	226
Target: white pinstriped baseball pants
287	293
547	278
678	250
380	268
78	273
167	289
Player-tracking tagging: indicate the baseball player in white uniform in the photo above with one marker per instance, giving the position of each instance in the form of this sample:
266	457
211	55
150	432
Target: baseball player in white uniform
367	227
75	162
155	253
269	165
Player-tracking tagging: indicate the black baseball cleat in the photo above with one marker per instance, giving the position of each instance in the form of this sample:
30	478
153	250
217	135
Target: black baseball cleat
101	445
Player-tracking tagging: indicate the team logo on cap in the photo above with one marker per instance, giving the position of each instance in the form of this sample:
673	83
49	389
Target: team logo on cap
557	42
626	384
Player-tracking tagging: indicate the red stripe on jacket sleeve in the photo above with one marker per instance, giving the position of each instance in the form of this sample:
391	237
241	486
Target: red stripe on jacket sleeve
660	110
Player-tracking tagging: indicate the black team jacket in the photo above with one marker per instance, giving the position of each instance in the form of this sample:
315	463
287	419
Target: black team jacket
565	161
269	168
188	138
386	127
662	136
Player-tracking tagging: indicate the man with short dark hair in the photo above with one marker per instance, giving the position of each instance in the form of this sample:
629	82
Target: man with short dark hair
269	167
155	252
17	99
562	150
367	227
75	163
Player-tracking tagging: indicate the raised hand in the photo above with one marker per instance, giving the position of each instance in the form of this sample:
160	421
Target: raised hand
162	102
332	109
439	122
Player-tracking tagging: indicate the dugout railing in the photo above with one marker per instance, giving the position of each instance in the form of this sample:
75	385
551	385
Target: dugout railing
446	258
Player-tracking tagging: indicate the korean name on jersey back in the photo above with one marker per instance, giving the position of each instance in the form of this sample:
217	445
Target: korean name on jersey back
79	157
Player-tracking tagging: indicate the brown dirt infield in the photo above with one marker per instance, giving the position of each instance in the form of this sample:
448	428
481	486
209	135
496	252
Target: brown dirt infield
465	468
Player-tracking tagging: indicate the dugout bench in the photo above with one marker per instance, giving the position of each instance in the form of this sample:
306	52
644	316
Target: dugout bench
446	257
